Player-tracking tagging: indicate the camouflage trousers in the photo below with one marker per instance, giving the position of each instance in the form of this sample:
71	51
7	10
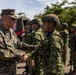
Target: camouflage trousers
73	59
65	55
8	67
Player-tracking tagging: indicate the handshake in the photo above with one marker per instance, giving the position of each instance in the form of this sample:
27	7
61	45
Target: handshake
24	57
21	58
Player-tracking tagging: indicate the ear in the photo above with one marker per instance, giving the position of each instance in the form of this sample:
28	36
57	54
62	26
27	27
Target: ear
4	18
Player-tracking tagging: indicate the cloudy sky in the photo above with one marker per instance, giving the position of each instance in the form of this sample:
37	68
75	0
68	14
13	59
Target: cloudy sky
29	7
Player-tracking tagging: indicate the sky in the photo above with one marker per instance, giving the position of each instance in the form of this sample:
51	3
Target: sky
29	7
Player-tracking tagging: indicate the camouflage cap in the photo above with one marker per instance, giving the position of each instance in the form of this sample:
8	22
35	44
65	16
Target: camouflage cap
51	18
64	24
9	12
73	25
36	21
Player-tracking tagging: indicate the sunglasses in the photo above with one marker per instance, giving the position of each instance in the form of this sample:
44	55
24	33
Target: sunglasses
13	19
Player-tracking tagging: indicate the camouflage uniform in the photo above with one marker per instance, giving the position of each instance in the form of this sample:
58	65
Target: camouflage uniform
72	45
28	38
9	40
65	34
36	55
38	36
52	62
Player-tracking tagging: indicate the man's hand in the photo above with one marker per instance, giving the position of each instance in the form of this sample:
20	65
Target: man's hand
32	62
37	46
24	57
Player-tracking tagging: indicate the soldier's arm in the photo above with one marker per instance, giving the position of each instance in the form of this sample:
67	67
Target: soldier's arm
3	50
22	45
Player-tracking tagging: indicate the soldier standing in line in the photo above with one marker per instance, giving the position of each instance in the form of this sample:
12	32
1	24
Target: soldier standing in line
65	34
52	62
28	26
28	38
9	43
38	36
72	46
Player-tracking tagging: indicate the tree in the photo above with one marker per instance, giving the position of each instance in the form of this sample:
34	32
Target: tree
21	15
47	8
65	13
38	16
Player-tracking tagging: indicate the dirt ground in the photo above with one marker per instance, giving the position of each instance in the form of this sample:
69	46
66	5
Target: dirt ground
20	70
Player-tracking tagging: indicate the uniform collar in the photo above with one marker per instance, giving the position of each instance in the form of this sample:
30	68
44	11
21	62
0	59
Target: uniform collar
49	33
4	29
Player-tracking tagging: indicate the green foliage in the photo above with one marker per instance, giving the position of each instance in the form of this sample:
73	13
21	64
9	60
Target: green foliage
21	15
65	13
38	16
